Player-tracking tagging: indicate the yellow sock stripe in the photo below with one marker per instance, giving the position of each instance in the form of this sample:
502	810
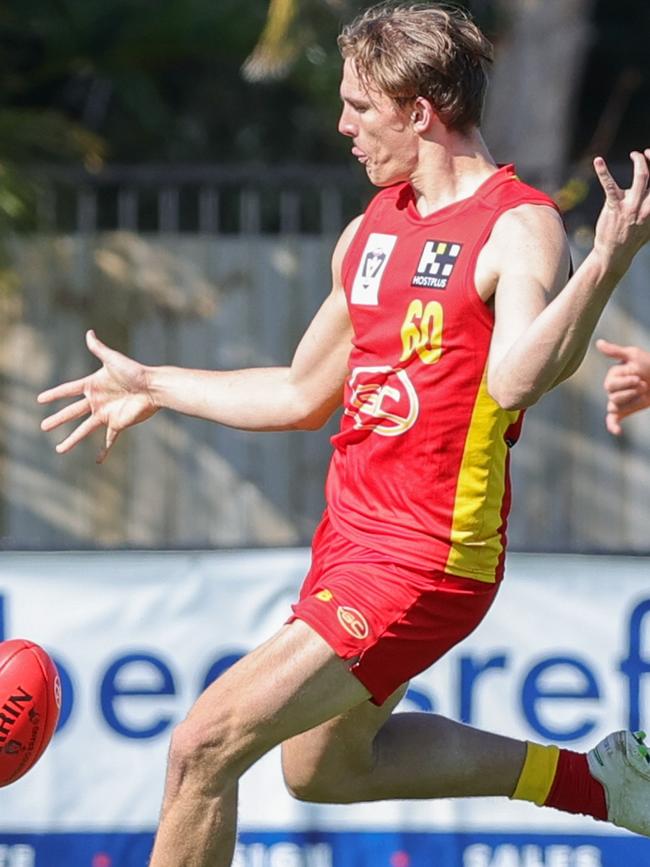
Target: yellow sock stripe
537	774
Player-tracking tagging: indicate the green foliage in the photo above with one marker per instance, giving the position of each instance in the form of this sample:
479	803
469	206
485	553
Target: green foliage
27	138
161	80
32	131
613	104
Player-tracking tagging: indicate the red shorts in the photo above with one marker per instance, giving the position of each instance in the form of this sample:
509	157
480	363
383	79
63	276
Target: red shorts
388	620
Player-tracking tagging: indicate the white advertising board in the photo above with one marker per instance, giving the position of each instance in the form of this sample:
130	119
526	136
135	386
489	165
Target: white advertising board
563	656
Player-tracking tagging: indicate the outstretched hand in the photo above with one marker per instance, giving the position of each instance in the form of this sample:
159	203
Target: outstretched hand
627	383
623	226
115	397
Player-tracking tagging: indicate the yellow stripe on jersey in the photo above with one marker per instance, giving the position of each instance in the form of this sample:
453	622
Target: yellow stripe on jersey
537	775
476	545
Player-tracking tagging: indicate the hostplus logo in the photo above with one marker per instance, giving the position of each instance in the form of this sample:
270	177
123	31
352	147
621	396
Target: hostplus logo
436	264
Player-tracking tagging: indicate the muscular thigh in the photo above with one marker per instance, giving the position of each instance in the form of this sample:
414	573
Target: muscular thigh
342	744
291	683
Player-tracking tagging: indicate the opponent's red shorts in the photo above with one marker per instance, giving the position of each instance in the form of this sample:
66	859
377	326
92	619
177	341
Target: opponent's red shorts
388	620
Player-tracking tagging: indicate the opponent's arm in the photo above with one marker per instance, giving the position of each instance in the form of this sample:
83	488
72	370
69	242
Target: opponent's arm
627	383
123	392
540	338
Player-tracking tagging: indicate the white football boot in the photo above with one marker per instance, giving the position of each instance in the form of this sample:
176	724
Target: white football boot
621	762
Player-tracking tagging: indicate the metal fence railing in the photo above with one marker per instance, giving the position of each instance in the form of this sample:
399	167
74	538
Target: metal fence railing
250	200
242	199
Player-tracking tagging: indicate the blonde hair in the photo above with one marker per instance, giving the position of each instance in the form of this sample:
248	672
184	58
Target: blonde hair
432	50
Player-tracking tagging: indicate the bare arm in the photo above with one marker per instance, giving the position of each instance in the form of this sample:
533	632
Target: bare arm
303	395
541	337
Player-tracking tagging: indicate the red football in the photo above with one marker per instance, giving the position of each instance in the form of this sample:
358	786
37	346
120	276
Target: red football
30	700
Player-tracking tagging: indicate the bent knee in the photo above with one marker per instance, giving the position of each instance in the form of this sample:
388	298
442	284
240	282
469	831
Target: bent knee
204	753
188	743
324	783
317	790
299	782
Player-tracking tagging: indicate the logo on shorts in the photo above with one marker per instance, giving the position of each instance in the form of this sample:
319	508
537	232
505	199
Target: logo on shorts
436	264
353	621
325	595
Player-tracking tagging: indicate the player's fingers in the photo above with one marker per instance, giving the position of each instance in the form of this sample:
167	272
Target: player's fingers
74	388
611	189
614	384
641	175
612	350
616	377
645	211
613	424
68	413
109	442
104	353
85	428
620	399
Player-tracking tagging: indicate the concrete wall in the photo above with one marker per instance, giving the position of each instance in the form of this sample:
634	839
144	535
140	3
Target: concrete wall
236	302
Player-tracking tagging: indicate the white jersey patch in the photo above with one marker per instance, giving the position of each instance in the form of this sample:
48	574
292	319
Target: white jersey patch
365	289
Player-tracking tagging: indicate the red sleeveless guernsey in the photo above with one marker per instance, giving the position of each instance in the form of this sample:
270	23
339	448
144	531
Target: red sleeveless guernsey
420	464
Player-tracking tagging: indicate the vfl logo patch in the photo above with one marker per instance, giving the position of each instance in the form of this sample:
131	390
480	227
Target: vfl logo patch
436	264
353	621
365	289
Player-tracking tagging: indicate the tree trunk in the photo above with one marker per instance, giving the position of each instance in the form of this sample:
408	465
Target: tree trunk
539	63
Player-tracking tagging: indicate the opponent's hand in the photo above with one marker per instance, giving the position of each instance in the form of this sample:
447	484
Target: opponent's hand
623	226
115	397
627	383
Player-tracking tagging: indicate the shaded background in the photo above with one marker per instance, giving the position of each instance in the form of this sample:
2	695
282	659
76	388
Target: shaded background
171	175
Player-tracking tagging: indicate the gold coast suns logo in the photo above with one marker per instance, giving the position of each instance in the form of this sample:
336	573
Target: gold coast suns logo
353	621
383	400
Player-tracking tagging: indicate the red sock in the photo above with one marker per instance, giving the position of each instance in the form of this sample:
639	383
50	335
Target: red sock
574	790
551	777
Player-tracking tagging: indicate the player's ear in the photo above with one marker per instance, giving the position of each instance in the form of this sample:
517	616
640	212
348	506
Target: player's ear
422	114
